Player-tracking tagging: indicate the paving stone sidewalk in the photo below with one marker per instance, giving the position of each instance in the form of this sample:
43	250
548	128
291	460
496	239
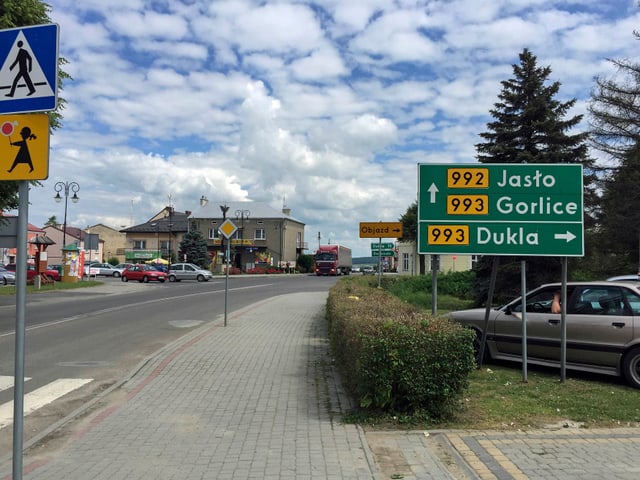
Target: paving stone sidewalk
255	399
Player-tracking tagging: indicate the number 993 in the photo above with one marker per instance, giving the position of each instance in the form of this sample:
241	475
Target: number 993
448	235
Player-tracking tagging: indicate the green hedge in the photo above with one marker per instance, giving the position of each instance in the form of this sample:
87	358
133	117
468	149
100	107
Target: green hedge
393	357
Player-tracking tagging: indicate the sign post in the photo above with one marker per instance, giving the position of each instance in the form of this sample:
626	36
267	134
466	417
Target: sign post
28	83
29	69
227	228
501	209
381	230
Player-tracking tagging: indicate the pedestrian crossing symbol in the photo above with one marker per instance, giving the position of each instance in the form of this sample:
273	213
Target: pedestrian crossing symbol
24	147
28	69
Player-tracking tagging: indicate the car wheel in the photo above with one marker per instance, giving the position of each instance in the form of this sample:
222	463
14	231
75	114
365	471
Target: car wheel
631	367
200	278
161	280
4	280
145	279
124	279
172	278
116	274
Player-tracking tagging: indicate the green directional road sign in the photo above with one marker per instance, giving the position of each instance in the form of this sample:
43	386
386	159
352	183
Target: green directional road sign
382	253
383	246
501	209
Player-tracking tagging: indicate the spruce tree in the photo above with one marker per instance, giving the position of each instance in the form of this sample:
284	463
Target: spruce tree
531	126
194	246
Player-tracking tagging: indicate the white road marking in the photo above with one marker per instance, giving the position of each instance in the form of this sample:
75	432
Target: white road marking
41	397
6	381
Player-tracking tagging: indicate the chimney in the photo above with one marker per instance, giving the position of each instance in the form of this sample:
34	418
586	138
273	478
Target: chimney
203	201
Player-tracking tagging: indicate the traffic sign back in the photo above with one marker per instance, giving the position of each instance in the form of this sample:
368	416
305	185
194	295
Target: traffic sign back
29	69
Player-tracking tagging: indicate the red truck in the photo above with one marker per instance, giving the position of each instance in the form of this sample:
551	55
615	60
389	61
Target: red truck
333	260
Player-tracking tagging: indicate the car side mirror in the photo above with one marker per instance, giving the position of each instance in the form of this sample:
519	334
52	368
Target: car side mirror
507	311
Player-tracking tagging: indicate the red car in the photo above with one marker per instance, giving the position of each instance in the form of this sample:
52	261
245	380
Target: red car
142	273
31	272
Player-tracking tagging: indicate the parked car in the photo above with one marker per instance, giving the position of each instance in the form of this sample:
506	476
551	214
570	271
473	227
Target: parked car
602	328
188	271
121	266
31	272
634	277
7	277
104	269
88	265
143	273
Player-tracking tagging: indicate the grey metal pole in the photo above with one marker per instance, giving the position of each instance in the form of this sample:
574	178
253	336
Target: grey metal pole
523	284
563	323
226	282
379	262
435	263
21	305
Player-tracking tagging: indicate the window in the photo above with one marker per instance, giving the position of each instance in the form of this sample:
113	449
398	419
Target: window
139	244
214	233
405	262
259	234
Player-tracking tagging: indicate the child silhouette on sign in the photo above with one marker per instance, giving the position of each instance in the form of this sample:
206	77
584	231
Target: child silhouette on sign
24	62
23	155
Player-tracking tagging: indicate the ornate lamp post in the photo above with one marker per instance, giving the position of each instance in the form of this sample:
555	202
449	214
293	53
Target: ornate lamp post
242	214
66	186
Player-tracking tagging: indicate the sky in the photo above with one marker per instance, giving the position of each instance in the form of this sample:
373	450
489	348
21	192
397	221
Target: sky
325	107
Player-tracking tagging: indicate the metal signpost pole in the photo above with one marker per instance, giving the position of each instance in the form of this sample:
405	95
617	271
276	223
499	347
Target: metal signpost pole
226	282
379	262
21	305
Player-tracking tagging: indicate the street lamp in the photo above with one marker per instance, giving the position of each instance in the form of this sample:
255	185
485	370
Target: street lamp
242	214
66	186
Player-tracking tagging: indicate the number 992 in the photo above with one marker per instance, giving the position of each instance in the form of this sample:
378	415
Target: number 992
448	235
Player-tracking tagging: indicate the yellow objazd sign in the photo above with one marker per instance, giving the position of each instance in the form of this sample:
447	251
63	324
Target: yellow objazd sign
24	147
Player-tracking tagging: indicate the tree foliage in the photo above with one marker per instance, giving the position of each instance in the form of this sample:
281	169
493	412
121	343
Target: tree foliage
615	130
531	126
22	13
194	246
410	230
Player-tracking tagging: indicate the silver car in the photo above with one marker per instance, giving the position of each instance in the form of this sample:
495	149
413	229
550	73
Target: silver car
603	328
7	277
188	271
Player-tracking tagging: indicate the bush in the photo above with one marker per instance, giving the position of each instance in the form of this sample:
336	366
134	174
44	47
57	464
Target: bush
394	357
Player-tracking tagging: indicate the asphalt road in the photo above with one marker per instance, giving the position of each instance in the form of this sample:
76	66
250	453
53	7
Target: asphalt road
103	333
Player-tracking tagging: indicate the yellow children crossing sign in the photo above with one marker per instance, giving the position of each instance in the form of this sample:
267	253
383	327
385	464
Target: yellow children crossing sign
24	147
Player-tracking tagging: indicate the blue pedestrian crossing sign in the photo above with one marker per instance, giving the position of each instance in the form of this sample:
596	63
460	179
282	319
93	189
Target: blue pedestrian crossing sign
29	69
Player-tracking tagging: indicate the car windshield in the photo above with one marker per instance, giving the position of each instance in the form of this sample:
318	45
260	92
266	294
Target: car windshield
325	256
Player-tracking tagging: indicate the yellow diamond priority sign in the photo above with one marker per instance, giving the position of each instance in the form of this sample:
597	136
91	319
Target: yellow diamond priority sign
228	228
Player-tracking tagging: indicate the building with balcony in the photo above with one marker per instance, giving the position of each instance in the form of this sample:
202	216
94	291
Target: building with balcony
264	236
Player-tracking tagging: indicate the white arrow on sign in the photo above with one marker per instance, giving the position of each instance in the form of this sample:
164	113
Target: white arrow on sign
433	190
564	236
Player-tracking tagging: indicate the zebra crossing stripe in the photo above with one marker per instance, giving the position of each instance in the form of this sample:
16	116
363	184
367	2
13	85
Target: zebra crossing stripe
41	397
6	381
